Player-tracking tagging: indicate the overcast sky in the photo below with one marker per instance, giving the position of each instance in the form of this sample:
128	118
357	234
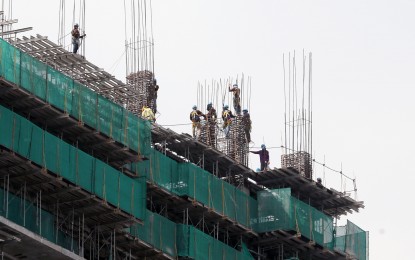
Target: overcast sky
363	83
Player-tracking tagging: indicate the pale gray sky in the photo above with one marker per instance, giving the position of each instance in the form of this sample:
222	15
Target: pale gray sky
363	89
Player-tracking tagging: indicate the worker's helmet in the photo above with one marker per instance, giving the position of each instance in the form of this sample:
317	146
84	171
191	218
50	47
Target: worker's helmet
194	107
76	25
245	110
263	146
225	107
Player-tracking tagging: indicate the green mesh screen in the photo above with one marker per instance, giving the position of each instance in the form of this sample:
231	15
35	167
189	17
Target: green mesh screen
157	231
73	98
93	175
26	214
277	209
189	179
195	244
352	240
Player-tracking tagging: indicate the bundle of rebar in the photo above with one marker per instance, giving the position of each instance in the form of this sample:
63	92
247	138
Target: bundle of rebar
235	144
208	132
301	161
142	83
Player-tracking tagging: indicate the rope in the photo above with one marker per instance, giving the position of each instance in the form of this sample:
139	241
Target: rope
132	198
118	193
104	192
296	220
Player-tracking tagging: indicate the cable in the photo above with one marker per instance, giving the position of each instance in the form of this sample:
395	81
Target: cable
314	160
177	124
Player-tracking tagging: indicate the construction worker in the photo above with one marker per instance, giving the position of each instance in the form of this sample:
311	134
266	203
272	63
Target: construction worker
195	118
75	38
263	157
154	101
247	123
211	115
236	98
148	114
227	120
211	118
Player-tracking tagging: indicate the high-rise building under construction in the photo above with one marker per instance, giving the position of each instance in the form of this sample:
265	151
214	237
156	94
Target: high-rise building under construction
84	177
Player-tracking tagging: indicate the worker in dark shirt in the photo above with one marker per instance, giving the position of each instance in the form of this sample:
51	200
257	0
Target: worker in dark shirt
76	35
263	157
236	98
211	118
247	123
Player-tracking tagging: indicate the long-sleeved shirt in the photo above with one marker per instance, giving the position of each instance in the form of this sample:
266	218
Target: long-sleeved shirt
263	155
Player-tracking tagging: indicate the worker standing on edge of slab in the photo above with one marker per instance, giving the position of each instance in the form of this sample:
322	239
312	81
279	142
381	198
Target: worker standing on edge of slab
236	98
227	120
263	157
195	118
76	35
247	123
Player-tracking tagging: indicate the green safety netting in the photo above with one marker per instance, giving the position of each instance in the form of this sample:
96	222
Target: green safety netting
157	231
183	240
352	240
73	98
93	175
189	179
41	222
195	244
277	209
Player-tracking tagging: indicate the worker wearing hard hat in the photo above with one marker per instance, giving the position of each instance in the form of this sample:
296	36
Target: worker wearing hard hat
227	120
195	118
236	98
247	123
263	157
76	35
211	117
